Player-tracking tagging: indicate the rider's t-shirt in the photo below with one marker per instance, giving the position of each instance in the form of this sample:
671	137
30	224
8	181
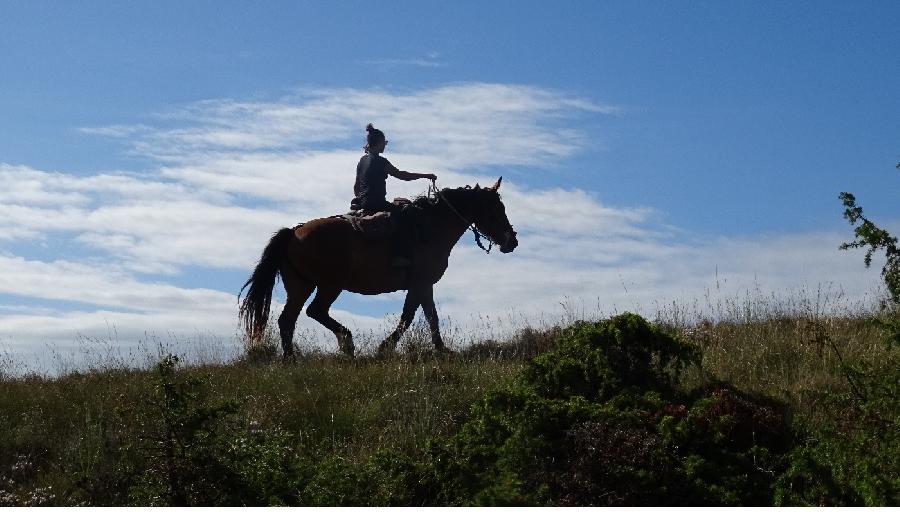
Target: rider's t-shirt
370	187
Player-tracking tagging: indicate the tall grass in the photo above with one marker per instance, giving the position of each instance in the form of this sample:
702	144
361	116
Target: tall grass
66	439
786	346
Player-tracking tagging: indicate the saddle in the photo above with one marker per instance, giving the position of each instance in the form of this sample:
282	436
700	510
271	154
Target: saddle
375	227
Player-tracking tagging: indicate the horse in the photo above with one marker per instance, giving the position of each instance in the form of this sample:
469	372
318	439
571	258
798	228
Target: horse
328	256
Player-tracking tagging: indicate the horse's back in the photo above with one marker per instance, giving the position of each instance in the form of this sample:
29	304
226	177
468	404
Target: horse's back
329	252
320	249
325	226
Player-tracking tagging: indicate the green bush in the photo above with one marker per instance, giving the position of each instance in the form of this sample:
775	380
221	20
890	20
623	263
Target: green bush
387	479
599	421
599	360
185	449
182	440
852	458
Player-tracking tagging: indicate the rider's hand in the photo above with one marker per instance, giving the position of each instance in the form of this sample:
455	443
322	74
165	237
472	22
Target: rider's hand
432	177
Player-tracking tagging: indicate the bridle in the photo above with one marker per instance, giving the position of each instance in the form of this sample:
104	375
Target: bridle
433	190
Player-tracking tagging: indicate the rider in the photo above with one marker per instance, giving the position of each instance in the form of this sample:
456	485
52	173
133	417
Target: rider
370	188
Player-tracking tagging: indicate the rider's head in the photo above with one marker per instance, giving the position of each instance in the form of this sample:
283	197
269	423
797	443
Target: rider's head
375	140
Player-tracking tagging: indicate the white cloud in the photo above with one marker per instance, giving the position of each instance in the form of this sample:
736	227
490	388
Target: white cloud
573	212
431	60
225	174
462	125
648	272
100	286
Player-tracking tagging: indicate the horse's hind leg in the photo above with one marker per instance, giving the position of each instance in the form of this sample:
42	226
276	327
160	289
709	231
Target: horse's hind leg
298	290
318	311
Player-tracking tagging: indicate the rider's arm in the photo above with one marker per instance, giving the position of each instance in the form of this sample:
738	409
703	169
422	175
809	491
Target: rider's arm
407	176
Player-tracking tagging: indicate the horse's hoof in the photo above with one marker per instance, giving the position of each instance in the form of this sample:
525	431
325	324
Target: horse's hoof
345	345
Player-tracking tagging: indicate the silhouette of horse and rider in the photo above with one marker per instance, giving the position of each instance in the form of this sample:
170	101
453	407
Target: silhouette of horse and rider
330	255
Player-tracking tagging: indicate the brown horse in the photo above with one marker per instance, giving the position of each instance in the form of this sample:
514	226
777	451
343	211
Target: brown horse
328	256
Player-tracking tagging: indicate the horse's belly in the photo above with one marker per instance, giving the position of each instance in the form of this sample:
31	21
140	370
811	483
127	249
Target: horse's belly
373	290
370	281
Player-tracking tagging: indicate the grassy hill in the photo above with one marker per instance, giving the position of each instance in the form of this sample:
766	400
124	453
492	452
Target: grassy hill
786	409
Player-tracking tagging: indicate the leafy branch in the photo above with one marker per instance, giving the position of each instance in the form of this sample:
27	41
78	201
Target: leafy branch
873	239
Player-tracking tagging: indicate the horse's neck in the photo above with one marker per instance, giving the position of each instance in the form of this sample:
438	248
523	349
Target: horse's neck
449	225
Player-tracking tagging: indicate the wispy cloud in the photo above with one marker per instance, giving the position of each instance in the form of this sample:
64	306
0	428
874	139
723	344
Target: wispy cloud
431	60
464	125
226	173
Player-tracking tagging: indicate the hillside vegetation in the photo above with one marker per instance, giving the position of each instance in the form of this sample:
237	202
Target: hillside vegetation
784	410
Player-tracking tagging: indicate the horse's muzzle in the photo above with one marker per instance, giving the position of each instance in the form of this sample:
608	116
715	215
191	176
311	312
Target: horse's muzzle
509	243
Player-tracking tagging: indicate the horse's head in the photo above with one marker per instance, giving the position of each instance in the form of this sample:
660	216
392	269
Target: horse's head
489	216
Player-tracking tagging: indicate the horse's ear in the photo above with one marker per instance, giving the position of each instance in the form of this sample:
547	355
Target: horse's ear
477	186
497	185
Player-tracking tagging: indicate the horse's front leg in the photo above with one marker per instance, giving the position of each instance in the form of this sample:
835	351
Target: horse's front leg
410	305
432	317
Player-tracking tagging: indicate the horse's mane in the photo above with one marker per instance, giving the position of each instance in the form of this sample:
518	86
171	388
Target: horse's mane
429	202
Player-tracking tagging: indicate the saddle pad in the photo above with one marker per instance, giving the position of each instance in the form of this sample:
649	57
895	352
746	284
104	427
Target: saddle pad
377	226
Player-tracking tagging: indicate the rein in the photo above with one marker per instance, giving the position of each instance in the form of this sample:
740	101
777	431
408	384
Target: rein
433	190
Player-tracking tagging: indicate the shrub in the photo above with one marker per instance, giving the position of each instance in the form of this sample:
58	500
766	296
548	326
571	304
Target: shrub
598	360
852	458
599	421
182	439
387	479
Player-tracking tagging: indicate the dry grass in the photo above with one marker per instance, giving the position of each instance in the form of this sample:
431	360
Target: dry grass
788	347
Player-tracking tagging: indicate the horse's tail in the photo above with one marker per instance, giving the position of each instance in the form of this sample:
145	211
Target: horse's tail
254	309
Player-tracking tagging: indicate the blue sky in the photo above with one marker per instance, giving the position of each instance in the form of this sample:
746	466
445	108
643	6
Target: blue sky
722	127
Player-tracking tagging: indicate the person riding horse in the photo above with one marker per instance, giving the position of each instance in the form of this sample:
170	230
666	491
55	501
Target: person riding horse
328	256
370	191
